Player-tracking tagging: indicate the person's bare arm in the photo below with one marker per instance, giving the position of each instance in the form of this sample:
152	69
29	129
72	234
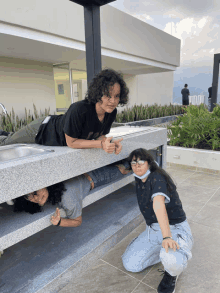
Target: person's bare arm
65	222
161	214
77	143
71	222
162	218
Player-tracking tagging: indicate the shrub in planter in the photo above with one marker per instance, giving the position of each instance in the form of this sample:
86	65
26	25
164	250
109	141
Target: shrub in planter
141	112
11	123
196	129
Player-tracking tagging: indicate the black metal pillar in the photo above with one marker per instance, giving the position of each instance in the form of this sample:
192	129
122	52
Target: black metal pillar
215	81
92	35
93	41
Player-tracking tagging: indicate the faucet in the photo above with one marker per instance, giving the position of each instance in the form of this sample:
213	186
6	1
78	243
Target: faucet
4	109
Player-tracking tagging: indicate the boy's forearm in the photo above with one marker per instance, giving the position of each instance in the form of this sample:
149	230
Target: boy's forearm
85	144
162	218
101	137
70	223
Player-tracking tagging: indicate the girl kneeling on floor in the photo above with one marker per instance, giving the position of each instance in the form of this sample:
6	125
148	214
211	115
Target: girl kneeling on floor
167	238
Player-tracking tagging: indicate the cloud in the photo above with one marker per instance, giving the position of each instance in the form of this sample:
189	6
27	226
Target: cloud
195	23
183	8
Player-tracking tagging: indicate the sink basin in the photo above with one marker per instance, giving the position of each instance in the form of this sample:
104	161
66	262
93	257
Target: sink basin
18	151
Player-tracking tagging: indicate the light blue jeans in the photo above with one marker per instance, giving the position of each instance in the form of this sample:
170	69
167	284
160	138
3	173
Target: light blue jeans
146	249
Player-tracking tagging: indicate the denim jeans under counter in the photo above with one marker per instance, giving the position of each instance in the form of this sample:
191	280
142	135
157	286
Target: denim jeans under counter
146	249
105	175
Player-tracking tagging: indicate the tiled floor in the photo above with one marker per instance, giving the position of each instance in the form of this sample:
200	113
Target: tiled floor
200	196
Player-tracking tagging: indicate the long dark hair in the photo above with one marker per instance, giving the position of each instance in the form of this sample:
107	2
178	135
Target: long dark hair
55	195
142	154
101	83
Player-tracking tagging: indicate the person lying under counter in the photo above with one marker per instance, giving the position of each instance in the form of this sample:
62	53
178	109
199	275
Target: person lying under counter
69	194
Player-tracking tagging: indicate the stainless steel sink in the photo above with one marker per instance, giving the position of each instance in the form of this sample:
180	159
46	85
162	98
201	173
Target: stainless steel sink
18	151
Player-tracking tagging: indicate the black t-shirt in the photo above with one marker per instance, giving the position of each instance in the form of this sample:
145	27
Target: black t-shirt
80	121
185	93
156	185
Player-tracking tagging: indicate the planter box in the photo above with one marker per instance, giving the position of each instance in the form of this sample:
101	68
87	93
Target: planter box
149	122
194	159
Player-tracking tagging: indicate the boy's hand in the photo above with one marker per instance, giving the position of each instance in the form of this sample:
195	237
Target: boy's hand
170	243
118	146
108	146
56	217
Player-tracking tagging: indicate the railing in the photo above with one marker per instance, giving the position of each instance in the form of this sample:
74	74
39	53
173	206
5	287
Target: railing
197	100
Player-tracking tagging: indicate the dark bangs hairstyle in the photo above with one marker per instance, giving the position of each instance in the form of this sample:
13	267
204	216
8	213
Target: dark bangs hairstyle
142	154
55	195
101	83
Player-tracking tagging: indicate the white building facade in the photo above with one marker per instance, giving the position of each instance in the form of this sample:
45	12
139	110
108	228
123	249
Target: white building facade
43	60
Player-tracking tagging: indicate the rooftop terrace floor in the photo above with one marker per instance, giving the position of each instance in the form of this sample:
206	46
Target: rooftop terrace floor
200	196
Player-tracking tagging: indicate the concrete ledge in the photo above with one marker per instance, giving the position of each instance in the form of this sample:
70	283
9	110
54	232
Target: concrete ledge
149	122
18	226
194	159
28	174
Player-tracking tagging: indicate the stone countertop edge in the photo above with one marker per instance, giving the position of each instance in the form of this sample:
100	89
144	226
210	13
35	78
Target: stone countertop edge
25	175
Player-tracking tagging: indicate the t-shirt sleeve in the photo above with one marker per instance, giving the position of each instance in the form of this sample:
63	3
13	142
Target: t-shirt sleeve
110	121
159	187
71	203
74	120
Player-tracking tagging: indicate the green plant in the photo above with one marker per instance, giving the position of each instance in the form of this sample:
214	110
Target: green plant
12	123
141	112
196	128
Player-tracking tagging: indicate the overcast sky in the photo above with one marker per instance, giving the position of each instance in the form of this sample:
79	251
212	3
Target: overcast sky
195	22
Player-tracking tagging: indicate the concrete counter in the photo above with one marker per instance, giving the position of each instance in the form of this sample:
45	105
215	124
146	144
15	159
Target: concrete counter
26	175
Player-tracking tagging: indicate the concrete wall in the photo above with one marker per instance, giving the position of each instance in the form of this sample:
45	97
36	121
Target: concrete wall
155	88
65	18
23	83
149	89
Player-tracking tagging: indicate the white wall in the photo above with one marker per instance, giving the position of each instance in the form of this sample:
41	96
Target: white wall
155	88
120	31
149	89
23	83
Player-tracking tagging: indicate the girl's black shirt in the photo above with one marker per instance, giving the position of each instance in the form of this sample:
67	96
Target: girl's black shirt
80	121
155	185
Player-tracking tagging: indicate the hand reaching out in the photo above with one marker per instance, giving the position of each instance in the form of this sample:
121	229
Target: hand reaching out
108	146
118	146
111	147
56	217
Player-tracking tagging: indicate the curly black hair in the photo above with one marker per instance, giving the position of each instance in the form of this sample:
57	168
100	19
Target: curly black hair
101	83
55	195
142	154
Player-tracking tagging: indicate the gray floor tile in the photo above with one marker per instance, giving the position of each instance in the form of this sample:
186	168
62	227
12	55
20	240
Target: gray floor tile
201	179
199	278
195	192
206	240
154	277
102	278
215	200
191	207
209	216
142	288
179	175
113	257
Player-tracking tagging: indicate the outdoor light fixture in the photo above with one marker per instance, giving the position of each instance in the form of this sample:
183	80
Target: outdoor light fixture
92	35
